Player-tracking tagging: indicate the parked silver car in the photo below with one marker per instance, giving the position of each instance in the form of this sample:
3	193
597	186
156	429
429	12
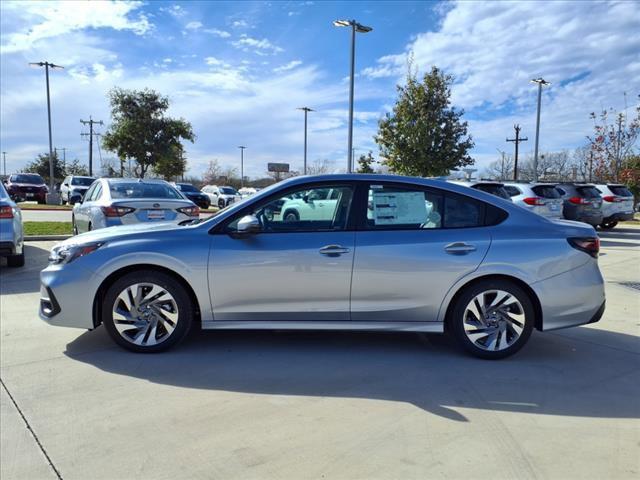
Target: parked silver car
617	204
124	201
421	256
540	198
11	231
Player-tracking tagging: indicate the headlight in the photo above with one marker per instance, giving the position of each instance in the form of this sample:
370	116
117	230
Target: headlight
68	253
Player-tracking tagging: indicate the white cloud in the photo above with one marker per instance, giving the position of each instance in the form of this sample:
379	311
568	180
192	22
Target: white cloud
258	46
174	10
48	19
193	25
239	24
288	66
218	33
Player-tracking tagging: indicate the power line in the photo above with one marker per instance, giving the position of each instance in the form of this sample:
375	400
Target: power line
516	141
91	122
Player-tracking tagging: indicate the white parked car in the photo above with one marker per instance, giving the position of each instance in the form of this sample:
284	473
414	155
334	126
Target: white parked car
221	196
11	232
541	198
247	191
488	186
317	204
617	204
73	188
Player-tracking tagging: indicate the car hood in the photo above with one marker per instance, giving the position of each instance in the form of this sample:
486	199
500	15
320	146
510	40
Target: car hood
121	231
36	185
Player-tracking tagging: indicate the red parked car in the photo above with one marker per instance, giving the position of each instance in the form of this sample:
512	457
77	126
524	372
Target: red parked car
26	186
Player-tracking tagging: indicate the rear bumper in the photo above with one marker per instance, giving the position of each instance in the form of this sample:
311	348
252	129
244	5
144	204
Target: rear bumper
571	298
619	217
7	248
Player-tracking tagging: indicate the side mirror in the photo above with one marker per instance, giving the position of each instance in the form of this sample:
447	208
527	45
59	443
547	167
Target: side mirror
249	224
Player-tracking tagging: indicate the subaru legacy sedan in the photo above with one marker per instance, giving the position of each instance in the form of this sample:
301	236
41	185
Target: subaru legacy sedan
111	202
394	254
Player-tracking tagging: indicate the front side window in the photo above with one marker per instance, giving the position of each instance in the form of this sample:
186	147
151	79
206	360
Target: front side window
304	210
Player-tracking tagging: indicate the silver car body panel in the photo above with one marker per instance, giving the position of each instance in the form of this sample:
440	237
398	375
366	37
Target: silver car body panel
551	208
263	281
622	205
11	230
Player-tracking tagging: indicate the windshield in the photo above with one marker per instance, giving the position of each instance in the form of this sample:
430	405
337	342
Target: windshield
185	187
546	191
82	181
142	190
588	192
27	178
620	191
228	191
494	189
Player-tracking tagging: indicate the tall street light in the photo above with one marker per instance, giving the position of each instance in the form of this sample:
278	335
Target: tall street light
52	196
541	82
242	147
355	27
4	160
306	110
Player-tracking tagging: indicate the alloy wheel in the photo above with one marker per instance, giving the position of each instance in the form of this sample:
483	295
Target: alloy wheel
145	314
494	320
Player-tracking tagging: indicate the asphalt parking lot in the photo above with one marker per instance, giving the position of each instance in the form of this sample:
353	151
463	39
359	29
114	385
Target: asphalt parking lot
321	405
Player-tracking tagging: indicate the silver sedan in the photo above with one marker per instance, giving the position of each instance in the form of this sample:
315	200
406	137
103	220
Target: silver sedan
111	202
11	231
391	254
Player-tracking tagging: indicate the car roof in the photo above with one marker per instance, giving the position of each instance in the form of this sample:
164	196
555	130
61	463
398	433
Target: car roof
135	180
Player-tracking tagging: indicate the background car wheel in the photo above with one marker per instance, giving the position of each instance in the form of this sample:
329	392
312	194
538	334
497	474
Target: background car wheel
492	319
291	216
608	225
221	203
15	260
147	311
75	227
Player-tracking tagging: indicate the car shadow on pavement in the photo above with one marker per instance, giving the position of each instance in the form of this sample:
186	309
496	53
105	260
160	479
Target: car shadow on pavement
24	279
593	375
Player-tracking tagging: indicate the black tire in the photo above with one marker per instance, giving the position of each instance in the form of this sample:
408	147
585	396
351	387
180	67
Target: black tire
608	225
168	283
14	261
221	203
75	227
42	202
291	216
456	321
89	227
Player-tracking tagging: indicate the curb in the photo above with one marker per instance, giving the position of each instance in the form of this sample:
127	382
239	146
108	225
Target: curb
45	238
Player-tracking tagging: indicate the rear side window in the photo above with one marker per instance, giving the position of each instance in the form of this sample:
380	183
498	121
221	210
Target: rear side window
621	191
462	212
512	191
588	192
546	191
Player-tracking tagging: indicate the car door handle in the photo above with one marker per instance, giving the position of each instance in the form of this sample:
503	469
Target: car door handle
333	250
459	248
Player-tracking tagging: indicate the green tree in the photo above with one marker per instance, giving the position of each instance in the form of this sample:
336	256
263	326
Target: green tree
424	135
75	168
41	166
365	162
172	164
140	130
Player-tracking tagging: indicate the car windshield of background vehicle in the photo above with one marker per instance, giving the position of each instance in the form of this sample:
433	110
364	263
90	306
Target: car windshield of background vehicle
589	192
513	191
26	178
621	191
497	190
142	190
187	188
228	191
82	182
546	191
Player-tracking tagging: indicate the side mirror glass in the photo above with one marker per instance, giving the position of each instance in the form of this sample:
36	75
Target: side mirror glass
249	224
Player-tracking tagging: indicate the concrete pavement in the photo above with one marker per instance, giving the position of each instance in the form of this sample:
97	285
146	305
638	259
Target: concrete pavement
322	405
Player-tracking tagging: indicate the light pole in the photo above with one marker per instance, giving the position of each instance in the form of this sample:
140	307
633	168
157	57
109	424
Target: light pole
4	161
52	196
355	27
306	110
541	82
242	147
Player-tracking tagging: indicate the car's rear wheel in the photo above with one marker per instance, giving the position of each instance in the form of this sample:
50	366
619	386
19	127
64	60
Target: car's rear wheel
15	260
221	203
492	319
291	216
147	311
608	225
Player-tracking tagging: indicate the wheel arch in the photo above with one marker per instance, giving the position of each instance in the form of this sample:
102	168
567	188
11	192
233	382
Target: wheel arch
537	307
113	276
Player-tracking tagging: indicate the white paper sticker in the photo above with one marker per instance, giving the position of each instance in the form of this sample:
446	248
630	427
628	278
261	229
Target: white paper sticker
399	208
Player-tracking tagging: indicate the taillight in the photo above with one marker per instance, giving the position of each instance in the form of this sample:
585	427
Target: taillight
6	212
536	201
579	200
116	211
590	245
612	199
190	211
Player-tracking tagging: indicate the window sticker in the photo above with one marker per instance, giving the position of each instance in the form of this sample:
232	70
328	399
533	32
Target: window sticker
399	208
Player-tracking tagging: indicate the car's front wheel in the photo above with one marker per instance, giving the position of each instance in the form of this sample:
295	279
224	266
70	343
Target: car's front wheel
14	261
492	319
147	311
608	225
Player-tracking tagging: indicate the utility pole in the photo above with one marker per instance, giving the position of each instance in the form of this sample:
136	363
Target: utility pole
4	160
64	158
242	147
619	146
541	82
306	110
91	122
517	141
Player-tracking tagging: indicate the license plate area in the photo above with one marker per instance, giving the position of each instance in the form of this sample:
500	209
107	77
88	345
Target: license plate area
155	214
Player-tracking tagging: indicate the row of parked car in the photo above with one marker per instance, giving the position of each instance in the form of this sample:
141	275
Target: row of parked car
600	205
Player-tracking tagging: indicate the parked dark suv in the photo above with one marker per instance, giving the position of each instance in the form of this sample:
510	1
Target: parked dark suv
193	194
26	186
582	202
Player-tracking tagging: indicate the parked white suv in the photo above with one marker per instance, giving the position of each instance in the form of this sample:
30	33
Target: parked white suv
221	196
73	188
540	198
317	204
617	204
488	186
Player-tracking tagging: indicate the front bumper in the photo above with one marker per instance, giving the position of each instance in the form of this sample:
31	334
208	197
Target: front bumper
572	298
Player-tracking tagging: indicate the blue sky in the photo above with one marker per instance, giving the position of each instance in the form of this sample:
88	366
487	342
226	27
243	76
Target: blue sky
239	70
